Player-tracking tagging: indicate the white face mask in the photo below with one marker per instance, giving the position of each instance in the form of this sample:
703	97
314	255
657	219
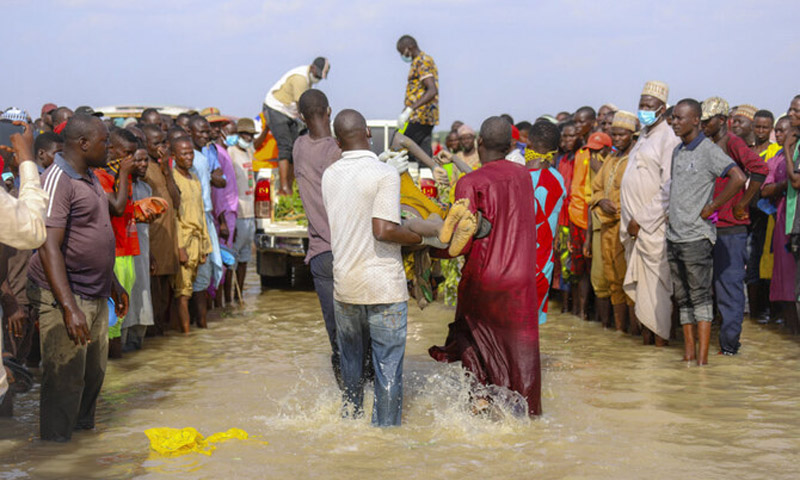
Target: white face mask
243	144
314	79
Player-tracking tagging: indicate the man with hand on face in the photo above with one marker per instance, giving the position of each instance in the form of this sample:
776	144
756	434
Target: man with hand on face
421	112
730	250
71	280
696	165
116	180
643	213
280	107
163	233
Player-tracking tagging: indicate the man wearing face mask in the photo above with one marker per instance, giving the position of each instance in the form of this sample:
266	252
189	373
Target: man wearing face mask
421	112
644	200
280	107
240	149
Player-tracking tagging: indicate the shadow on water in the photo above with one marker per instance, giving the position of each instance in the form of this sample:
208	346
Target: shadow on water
612	408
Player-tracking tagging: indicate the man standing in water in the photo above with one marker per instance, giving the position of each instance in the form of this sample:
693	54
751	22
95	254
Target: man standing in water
696	165
71	278
313	154
643	214
362	198
496	330
421	111
730	249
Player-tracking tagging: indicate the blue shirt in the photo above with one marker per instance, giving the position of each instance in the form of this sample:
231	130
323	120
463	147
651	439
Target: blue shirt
202	166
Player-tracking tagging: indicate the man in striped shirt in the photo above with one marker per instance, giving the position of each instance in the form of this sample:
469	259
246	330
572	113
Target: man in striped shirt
71	278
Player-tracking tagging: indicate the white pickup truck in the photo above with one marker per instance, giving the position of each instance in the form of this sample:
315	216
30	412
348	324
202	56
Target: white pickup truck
281	246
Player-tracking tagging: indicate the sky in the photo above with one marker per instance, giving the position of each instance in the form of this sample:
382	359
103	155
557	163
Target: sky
525	58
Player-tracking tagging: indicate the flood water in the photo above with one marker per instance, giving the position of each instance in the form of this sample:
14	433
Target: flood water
612	408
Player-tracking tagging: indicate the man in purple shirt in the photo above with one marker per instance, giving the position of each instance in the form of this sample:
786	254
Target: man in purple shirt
313	153
71	279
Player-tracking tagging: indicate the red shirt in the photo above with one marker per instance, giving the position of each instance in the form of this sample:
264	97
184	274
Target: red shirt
127	240
753	166
566	167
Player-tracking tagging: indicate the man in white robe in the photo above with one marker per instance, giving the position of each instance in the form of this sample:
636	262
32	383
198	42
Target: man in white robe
644	196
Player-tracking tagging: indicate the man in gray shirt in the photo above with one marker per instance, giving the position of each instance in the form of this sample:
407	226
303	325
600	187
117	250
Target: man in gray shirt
696	164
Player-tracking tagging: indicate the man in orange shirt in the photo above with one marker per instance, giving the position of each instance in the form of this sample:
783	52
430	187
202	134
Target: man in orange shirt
578	208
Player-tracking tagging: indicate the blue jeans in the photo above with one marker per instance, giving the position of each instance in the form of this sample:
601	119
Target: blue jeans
385	325
730	258
322	272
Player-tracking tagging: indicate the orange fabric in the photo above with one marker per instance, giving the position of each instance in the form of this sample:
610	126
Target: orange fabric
150	206
578	198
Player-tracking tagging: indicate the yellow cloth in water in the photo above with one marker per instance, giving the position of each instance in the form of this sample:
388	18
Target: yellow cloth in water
173	442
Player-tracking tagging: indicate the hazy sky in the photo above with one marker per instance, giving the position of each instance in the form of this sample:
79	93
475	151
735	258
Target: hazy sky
525	58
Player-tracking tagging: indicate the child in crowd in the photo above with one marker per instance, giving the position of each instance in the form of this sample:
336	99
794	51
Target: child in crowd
194	243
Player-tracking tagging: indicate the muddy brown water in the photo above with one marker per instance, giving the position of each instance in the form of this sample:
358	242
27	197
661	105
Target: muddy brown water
612	408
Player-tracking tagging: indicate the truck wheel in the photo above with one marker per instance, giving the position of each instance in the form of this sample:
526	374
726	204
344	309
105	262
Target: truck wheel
274	283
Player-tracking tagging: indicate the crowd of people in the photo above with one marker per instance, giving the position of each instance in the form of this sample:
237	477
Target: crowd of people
647	222
141	229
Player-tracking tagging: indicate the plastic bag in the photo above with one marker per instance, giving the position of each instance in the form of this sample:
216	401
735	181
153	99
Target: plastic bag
174	442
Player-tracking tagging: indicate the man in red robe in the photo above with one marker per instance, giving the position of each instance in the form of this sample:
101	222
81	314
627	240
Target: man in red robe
495	334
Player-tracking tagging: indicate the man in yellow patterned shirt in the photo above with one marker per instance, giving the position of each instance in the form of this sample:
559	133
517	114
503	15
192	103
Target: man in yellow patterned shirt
421	111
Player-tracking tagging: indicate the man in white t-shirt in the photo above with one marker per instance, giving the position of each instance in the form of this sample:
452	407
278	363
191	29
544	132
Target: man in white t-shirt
280	107
362	201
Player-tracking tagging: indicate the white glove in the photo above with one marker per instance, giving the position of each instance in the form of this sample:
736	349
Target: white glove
440	175
403	118
399	160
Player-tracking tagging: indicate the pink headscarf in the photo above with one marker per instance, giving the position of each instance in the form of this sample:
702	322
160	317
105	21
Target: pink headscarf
465	130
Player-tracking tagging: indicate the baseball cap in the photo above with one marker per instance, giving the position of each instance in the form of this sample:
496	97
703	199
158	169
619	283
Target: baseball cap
48	107
598	140
714	106
86	110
